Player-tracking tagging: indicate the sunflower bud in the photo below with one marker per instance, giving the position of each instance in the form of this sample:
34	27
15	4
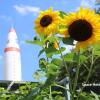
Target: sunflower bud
56	45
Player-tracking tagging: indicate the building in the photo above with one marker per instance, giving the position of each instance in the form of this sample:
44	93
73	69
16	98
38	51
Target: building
12	60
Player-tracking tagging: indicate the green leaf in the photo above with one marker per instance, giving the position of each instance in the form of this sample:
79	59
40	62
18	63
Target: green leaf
68	41
50	51
56	61
95	95
68	57
52	69
36	38
96	49
41	52
42	61
62	14
56	92
97	53
83	58
37	42
33	92
42	64
86	98
39	97
62	49
42	36
76	57
37	75
22	88
58	97
52	38
29	41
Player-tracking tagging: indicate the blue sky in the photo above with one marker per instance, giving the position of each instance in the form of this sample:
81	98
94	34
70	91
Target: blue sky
21	14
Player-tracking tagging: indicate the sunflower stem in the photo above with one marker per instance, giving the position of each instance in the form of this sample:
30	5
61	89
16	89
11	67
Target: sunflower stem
61	86
90	69
66	67
50	95
76	76
89	74
91	66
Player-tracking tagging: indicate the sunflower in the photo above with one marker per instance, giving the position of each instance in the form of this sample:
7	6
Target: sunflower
83	27
47	22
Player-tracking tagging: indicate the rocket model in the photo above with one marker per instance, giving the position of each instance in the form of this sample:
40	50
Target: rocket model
12	61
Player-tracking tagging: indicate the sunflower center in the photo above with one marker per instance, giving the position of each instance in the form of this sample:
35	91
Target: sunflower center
80	30
45	21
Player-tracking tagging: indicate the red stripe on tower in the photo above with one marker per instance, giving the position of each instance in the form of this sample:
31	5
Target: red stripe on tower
12	49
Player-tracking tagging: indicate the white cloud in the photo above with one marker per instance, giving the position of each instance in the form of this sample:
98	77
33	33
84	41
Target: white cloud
87	3
25	9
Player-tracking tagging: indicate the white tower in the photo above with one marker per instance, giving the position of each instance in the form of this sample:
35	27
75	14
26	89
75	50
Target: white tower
12	68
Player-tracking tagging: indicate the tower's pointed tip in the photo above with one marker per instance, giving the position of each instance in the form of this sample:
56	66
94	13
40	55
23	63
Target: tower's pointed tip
12	34
12	29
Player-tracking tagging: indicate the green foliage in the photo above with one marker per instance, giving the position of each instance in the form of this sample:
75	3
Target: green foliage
50	51
68	41
57	61
76	65
97	49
